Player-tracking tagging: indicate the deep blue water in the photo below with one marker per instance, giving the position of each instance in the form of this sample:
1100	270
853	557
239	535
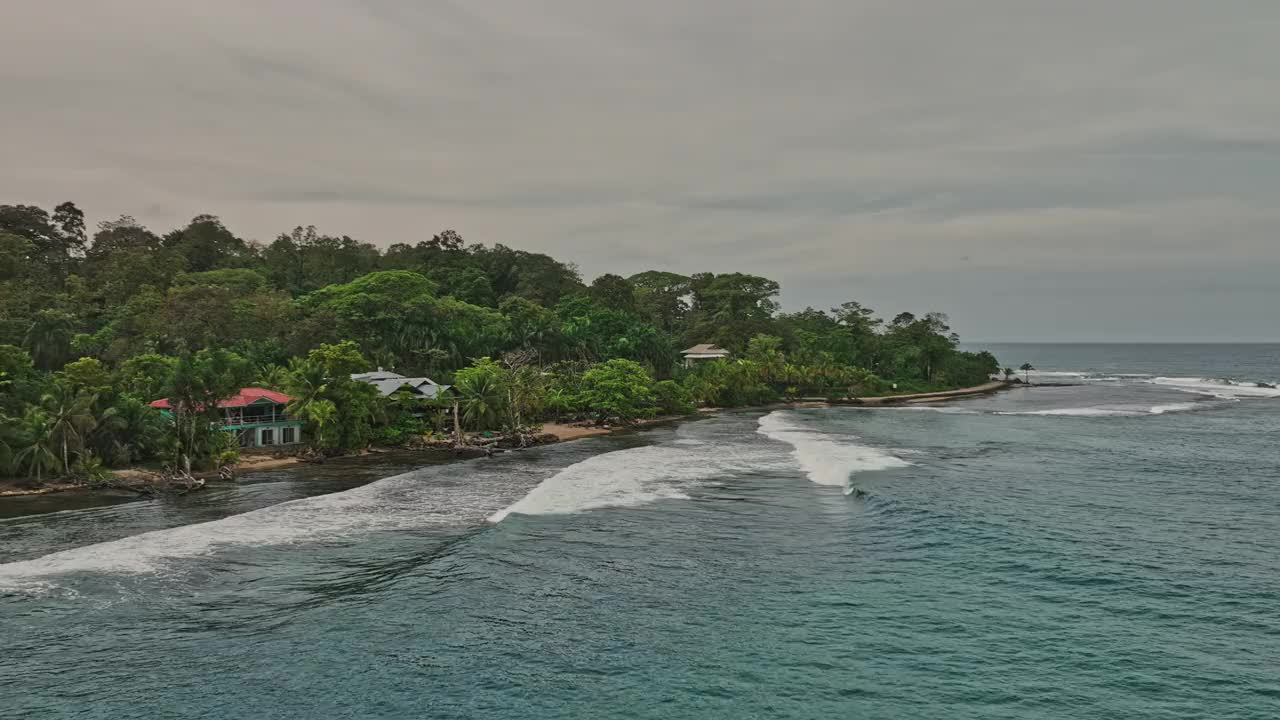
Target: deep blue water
1107	550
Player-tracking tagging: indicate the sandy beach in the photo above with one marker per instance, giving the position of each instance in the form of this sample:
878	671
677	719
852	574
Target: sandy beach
565	432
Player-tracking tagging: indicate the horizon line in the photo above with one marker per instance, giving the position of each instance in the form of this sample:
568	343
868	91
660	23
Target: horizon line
1120	342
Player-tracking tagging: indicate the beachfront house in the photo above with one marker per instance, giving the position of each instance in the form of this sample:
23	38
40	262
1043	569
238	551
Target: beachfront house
256	416
388	382
705	351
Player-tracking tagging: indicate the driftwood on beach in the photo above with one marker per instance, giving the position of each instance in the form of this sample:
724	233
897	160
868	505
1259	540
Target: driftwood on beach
166	482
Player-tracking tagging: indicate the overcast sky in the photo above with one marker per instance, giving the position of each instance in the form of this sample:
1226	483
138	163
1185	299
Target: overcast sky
1039	169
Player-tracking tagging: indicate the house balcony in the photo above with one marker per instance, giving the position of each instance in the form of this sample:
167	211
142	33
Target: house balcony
236	420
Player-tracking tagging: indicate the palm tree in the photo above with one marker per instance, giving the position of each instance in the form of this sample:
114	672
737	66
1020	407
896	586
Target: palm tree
273	376
49	338
1026	369
1008	373
130	431
71	419
321	414
480	400
39	449
308	384
7	426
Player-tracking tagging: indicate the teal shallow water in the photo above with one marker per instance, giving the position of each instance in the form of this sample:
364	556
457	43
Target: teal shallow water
1003	558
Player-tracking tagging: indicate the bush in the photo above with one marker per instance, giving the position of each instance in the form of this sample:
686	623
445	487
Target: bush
90	471
399	433
617	390
672	398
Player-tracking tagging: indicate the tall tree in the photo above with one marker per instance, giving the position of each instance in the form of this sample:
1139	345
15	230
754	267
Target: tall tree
200	381
613	291
49	338
71	418
729	309
37	451
1026	369
207	245
482	394
661	298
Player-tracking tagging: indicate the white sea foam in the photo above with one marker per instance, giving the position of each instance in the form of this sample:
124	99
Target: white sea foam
630	477
944	409
1058	374
1072	412
1081	376
826	459
1173	407
403	501
1225	389
1109	411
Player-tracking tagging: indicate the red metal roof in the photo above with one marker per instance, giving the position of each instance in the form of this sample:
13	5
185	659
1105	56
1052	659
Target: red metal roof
246	396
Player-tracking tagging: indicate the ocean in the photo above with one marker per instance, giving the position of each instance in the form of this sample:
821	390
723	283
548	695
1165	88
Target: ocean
1108	549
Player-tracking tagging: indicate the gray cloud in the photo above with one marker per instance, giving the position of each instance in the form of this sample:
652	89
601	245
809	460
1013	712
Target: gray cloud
917	155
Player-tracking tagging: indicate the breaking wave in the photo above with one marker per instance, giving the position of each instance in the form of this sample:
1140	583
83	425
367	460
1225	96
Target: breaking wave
826	459
625	477
632	477
438	496
1112	411
1219	388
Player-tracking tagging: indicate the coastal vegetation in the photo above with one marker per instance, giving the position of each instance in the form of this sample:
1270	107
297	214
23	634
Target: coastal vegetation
92	329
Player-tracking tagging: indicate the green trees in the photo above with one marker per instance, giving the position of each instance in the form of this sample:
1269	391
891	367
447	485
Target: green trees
196	312
206	245
589	332
671	398
729	309
70	418
36	447
1026	369
482	394
131	431
49	338
612	291
660	297
339	412
398	320
617	390
200	381
146	377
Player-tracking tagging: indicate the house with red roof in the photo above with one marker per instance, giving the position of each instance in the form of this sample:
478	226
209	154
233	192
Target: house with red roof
256	416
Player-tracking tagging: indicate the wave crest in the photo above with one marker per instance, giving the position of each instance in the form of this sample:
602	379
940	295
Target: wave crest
824	458
1219	388
636	476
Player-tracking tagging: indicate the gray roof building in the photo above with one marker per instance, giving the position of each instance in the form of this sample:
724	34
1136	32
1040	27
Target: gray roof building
389	382
706	350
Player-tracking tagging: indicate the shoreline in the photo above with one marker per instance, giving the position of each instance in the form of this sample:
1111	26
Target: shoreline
940	395
249	464
563	432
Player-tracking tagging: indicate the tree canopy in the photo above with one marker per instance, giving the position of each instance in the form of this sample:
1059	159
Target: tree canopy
93	327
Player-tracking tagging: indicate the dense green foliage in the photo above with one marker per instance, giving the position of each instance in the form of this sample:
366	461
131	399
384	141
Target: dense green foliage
92	329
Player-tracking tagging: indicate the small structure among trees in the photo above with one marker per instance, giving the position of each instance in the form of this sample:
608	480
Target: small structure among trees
389	382
256	416
705	351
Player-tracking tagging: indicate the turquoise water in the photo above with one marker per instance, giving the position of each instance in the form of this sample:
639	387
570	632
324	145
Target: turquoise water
1107	550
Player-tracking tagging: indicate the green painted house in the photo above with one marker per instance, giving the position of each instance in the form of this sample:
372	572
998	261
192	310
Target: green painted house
256	416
